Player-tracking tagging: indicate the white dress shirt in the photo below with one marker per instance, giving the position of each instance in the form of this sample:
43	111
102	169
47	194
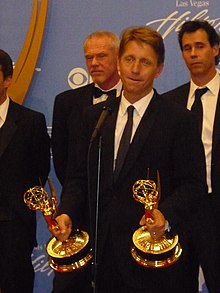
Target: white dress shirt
3	111
209	103
139	109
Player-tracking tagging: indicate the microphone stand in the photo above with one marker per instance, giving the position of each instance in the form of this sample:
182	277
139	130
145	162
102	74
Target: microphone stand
106	111
95	244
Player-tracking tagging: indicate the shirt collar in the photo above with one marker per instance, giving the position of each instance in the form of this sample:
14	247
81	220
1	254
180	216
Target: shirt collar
213	86
4	109
140	106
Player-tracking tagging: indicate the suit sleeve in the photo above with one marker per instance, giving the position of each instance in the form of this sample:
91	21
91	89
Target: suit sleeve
41	148
59	138
74	196
189	174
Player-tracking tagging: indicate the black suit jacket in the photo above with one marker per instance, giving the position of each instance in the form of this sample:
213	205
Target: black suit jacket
180	95
205	226
166	140
24	163
67	116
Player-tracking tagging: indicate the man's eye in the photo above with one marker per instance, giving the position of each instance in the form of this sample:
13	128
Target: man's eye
199	46
128	59
146	62
187	48
101	56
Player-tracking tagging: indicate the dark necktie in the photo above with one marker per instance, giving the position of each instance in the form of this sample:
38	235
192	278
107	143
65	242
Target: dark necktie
98	92
125	142
197	106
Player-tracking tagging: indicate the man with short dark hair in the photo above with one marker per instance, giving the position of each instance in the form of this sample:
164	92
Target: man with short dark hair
199	43
24	163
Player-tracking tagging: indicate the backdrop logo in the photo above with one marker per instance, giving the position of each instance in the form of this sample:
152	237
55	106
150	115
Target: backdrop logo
78	77
26	63
175	20
39	261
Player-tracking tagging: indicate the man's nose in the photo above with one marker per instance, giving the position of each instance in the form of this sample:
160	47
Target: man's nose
136	66
193	52
94	61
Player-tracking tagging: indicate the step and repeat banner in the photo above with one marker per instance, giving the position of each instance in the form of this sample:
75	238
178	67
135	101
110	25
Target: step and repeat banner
45	38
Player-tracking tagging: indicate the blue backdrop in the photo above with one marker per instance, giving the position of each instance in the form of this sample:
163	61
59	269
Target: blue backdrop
61	64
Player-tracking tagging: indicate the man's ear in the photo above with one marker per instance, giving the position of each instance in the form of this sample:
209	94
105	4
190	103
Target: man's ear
118	67
7	81
159	70
216	50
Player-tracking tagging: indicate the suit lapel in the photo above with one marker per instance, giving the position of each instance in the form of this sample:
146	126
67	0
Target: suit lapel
109	140
182	97
88	95
8	129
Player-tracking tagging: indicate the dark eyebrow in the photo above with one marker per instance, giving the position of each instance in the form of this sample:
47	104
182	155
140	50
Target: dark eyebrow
196	43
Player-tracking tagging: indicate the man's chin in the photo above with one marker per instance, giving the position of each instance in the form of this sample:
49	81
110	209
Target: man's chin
97	79
197	71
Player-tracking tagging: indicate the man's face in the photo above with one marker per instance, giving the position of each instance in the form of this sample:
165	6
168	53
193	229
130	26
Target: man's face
138	68
101	60
4	84
198	54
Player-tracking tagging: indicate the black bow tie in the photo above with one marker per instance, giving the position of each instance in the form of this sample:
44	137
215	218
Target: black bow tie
98	92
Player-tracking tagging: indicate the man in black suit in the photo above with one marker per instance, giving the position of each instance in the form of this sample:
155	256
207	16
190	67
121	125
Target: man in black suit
24	163
199	43
100	51
164	138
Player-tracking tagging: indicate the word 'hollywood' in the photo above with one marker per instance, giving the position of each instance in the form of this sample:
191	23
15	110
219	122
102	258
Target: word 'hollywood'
175	20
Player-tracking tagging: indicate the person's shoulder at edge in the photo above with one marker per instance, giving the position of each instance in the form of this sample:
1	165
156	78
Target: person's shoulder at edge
172	105
170	94
65	100
25	110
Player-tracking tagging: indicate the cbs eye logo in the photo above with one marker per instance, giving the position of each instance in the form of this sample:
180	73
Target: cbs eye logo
78	77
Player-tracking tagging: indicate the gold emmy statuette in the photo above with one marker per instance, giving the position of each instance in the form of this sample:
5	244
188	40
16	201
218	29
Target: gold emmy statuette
147	251
65	256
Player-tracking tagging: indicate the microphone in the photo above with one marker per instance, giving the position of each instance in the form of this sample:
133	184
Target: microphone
106	111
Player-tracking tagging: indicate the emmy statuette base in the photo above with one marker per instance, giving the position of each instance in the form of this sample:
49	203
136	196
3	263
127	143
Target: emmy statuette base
69	255
70	267
152	253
